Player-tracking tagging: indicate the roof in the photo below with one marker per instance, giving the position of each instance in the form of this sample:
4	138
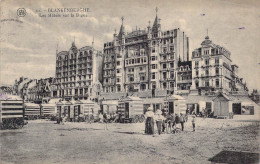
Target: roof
131	98
54	101
48	105
153	101
63	53
240	98
87	101
142	94
174	97
31	104
4	97
155	24
112	96
110	102
195	99
222	95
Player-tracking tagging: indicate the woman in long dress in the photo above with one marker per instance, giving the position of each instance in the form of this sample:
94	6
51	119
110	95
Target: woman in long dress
149	123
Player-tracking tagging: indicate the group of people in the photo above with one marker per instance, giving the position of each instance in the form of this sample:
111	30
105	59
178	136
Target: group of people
165	123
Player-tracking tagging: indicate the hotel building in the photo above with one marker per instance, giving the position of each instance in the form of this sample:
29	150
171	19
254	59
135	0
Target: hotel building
78	73
142	60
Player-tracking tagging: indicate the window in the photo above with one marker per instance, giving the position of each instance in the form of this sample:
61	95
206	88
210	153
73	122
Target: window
118	63
164	75
171	40
206	52
196	63
118	79
154	66
217	71
153	58
197	84
207	72
131	78
142	78
164	66
153	50
164	57
153	75
118	88
172	75
143	86
172	84
141	68
207	61
217	82
118	71
216	61
171	65
164	85
207	83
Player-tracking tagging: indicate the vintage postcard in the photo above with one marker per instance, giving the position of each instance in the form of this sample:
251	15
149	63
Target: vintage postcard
129	81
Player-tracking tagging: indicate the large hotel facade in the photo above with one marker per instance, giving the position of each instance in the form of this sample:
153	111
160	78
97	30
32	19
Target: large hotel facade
78	73
144	59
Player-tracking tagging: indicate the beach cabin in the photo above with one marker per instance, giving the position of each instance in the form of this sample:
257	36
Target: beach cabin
32	111
109	106
77	105
65	109
156	103
11	112
175	104
90	110
49	109
131	109
222	106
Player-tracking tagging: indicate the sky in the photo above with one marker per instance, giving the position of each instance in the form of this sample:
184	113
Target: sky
28	44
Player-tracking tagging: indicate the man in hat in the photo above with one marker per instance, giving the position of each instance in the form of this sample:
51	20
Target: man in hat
149	123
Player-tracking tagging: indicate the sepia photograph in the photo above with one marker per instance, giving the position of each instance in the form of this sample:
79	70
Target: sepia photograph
129	82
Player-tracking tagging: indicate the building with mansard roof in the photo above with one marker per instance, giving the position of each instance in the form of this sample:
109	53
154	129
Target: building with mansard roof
212	70
142	60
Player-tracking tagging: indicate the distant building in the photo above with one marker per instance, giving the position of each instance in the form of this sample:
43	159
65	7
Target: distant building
255	96
237	83
78	73
184	77
211	68
143	60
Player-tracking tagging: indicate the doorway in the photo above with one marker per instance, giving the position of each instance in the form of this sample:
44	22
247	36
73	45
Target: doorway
126	110
171	108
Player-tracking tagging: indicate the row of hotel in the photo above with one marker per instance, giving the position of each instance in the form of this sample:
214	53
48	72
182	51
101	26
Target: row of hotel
145	63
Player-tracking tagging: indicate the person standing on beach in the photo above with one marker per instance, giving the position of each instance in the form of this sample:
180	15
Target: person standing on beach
159	121
193	123
106	120
149	123
182	120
